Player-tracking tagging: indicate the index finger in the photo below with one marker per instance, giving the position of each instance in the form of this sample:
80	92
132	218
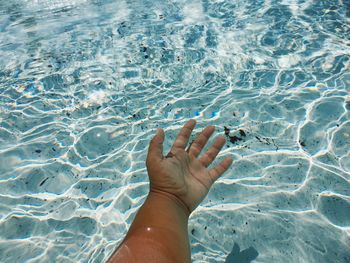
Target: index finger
184	135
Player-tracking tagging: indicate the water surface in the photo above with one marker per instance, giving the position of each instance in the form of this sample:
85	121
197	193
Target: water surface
84	84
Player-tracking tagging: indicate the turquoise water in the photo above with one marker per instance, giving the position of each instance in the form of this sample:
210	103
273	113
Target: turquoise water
84	84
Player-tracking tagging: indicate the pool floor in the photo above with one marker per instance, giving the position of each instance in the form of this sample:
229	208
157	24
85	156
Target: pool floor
84	85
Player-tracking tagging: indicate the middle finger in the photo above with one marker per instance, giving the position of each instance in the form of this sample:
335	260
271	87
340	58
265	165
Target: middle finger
184	135
214	150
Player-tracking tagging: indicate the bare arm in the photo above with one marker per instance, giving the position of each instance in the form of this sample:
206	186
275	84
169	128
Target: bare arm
178	183
157	234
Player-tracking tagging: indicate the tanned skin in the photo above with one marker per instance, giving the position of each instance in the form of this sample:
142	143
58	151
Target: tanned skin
178	184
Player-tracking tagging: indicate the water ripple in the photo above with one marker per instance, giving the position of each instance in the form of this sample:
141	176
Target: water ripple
84	85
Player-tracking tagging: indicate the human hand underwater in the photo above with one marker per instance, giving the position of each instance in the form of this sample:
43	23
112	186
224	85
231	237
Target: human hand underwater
182	174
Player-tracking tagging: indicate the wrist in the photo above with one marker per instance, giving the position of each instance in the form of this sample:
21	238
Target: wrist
172	199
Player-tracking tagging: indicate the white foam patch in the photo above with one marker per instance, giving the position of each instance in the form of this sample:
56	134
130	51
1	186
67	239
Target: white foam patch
292	5
96	98
53	4
256	27
230	48
193	13
258	60
288	61
123	11
328	64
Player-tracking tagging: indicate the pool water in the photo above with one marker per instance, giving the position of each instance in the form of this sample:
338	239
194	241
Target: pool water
84	85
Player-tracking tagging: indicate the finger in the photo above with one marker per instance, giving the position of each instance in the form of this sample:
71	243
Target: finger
218	170
155	149
213	151
202	139
184	135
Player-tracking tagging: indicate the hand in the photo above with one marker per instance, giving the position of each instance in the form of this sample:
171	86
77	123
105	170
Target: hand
182	174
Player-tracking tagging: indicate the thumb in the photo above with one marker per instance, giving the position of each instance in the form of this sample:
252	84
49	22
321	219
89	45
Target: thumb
155	150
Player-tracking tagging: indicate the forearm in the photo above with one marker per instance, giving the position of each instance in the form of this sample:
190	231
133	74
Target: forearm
158	233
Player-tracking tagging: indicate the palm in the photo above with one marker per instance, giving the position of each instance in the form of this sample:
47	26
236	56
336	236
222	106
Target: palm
182	174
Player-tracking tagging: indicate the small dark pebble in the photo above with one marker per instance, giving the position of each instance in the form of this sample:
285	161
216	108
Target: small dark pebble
302	143
267	141
53	149
38	151
242	133
258	210
234	139
43	181
49	66
68	114
146	56
205	228
144	49
258	139
192	231
227	130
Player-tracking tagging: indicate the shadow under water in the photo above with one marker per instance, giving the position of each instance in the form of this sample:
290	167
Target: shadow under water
244	256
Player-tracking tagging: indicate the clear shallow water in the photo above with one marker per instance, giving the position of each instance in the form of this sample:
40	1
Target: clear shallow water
84	85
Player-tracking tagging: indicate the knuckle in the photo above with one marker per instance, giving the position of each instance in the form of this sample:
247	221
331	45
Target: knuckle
211	155
194	147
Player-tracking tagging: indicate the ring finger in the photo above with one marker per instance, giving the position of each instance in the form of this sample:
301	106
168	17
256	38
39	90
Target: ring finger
214	150
184	135
198	144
